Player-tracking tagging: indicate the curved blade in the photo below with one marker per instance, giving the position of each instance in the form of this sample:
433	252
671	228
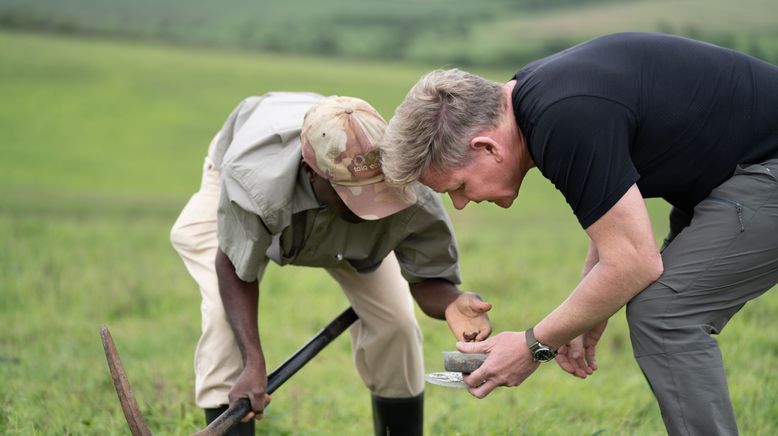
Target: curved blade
448	379
130	408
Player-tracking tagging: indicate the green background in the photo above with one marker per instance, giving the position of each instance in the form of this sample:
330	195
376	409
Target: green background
102	137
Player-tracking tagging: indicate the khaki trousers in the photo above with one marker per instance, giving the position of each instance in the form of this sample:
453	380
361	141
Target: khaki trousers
386	340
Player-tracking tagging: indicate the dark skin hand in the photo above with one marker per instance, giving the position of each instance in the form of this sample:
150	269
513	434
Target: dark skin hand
465	312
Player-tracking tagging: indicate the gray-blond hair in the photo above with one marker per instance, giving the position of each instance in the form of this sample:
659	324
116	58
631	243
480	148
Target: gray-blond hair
433	126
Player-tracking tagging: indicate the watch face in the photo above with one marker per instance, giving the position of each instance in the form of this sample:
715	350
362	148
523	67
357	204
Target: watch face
544	354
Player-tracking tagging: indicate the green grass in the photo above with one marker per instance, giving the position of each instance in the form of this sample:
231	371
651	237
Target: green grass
101	145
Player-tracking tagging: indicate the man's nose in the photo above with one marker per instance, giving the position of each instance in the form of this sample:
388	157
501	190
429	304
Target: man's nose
458	200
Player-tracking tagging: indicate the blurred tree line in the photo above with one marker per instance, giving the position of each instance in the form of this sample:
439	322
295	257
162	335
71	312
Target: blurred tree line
440	32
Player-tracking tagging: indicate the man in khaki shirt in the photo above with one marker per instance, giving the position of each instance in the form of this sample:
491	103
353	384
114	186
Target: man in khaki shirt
296	178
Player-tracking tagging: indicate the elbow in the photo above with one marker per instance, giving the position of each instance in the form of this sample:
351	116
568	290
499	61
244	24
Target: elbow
223	266
642	269
659	269
653	268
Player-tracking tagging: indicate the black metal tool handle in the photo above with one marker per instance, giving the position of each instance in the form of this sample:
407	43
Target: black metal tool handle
240	408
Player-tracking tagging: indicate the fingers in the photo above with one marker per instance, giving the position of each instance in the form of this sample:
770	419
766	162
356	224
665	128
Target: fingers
575	356
479	384
472	347
590	358
483	388
469	337
471	303
483	334
476	335
582	369
258	407
572	360
563	361
481	306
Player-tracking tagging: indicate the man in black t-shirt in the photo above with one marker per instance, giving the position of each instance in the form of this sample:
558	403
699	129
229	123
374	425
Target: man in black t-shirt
610	122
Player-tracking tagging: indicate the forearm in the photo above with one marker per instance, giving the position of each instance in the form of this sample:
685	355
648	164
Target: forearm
591	260
434	295
240	300
601	293
627	261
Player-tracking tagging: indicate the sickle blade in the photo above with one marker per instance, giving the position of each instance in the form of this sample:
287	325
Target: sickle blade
448	379
130	407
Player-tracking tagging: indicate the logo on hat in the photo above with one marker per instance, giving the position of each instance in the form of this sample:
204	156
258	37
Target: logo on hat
370	161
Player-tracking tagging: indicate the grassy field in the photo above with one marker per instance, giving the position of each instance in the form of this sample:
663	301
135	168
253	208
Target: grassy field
100	147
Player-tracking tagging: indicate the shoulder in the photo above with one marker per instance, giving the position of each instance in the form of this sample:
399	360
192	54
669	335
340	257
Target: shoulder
275	109
427	200
262	162
427	210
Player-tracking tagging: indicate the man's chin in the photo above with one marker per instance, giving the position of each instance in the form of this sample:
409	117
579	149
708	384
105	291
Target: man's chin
504	203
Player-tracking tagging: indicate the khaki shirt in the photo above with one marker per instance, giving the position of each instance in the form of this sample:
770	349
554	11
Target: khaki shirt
268	209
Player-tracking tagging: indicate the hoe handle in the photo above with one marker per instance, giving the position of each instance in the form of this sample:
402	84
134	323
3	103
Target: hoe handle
240	408
228	419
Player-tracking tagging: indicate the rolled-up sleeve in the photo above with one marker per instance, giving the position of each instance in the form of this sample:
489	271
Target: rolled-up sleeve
430	249
242	237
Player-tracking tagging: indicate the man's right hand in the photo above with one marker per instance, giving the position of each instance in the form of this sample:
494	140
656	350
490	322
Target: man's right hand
508	363
251	384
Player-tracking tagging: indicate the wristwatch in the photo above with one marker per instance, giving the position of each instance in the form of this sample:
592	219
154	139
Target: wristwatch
540	353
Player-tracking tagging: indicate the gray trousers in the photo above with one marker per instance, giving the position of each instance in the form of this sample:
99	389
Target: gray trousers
714	262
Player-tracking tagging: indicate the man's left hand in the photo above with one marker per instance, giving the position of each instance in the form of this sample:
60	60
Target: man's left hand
467	318
578	356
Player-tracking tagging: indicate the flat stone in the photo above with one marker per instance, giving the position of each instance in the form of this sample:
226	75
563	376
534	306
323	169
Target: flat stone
462	362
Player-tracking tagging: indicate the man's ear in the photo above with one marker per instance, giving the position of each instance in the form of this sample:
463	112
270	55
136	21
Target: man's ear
488	145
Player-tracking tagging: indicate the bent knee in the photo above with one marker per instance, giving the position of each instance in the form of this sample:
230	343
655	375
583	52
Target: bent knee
182	238
408	328
659	323
193	237
398	329
179	238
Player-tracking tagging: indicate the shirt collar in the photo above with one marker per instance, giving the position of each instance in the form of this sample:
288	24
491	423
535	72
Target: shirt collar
304	197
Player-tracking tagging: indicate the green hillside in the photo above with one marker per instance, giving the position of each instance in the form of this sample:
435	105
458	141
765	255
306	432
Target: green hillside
488	32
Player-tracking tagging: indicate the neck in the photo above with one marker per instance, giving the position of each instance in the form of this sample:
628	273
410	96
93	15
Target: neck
517	141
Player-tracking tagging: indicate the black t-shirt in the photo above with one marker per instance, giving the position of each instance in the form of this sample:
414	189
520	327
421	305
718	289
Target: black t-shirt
672	114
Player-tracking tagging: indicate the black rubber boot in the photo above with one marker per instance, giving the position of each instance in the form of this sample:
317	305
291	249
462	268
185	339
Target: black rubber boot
242	429
398	416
